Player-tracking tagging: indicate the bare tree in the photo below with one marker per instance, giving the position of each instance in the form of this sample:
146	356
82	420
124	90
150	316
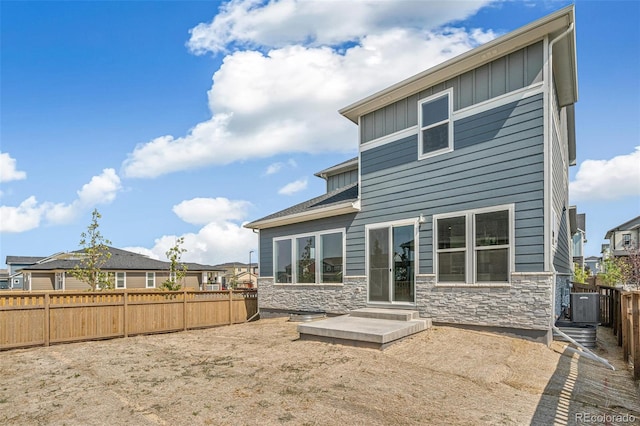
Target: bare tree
95	254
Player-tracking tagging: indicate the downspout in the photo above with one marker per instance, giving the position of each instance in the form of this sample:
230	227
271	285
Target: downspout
585	352
549	208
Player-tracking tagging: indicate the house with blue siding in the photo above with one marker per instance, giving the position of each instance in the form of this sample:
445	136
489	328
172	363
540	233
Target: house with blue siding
457	203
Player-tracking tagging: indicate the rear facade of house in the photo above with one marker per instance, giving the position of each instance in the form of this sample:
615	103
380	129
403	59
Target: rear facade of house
457	204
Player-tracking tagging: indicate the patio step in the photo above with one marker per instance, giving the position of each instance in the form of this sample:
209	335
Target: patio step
389	314
377	332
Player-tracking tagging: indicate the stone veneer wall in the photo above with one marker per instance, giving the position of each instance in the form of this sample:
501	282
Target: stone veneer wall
525	304
333	298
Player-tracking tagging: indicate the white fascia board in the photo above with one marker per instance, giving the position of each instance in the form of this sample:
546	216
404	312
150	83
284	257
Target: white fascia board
460	64
350	165
337	210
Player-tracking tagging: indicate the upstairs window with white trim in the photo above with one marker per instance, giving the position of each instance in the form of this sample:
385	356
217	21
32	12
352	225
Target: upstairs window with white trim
151	280
474	247
436	127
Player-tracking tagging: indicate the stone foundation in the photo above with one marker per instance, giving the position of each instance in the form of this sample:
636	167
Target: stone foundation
526	303
330	298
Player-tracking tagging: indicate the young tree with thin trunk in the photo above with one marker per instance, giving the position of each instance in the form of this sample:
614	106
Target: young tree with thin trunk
177	269
95	254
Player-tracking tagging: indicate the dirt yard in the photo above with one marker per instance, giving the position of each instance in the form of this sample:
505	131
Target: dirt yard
259	373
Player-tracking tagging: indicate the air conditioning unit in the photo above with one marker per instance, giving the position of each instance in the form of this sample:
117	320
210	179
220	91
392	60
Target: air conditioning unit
585	307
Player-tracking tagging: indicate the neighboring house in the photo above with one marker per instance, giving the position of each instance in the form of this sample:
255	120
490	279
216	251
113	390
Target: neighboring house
594	263
127	269
240	272
623	238
4	279
578	230
457	203
15	264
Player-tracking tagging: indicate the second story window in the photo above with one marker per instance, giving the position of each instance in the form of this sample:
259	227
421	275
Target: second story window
436	128
626	240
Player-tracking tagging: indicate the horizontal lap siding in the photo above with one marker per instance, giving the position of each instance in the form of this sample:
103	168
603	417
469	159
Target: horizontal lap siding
562	257
498	159
511	72
267	236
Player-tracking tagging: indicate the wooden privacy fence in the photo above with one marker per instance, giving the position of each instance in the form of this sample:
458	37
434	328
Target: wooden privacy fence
44	318
630	329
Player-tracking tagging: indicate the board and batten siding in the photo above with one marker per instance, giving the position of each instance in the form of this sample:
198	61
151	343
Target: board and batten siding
498	158
341	180
267	236
519	69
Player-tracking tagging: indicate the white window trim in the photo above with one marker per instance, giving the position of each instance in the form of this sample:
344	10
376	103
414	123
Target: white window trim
146	280
471	249
449	94
124	279
318	248
416	261
62	275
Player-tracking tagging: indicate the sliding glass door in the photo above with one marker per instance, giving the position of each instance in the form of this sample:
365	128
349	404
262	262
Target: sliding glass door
391	263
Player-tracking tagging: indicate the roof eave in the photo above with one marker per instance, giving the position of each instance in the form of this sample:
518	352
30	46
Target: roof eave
335	210
465	62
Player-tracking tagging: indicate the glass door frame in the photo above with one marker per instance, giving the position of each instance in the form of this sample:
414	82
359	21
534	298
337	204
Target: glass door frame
388	226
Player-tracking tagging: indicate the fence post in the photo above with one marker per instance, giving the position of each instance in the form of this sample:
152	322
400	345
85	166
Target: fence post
125	314
636	335
230	306
184	308
47	300
625	327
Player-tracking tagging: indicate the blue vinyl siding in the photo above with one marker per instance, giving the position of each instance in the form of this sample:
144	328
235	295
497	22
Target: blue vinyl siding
501	162
512	72
562	259
341	180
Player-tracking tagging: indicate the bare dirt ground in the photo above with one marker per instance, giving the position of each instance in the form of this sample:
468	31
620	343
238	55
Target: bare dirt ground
259	373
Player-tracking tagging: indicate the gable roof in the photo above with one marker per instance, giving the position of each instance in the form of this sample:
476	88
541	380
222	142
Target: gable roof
627	226
552	25
337	202
350	164
120	260
23	260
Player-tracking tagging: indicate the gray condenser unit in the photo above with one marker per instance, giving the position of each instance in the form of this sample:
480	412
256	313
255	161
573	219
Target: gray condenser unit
585	307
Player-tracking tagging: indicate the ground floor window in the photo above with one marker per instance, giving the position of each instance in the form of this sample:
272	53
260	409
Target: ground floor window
315	258
121	280
474	247
151	279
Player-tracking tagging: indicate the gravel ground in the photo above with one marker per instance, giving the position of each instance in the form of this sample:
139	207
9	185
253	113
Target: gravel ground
259	373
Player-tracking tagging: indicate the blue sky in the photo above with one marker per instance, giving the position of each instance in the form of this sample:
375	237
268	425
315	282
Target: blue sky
191	118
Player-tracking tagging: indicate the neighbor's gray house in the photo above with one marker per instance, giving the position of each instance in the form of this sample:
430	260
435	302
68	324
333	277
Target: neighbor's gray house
128	270
624	237
457	203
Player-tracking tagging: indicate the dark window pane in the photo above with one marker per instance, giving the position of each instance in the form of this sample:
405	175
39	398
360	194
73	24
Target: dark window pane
332	258
306	260
435	111
451	267
435	138
492	265
283	261
492	229
451	233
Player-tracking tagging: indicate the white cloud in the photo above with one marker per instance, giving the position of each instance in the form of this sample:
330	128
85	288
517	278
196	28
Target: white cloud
101	189
250	23
22	218
293	187
201	211
8	171
611	179
274	168
285	99
221	240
